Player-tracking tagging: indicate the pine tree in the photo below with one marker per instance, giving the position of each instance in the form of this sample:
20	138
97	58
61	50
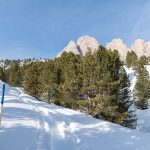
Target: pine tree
88	75
143	60
127	116
113	98
134	58
48	80
71	82
142	87
15	74
2	74
31	80
131	59
128	59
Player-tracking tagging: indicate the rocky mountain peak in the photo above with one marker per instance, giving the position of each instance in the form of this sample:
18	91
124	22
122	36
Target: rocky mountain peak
118	44
87	43
71	47
84	44
141	47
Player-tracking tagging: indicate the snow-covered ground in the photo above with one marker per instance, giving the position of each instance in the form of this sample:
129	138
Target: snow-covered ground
143	116
28	124
132	77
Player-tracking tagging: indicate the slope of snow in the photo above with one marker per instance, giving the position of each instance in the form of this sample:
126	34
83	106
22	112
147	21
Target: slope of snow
132	77
28	124
143	116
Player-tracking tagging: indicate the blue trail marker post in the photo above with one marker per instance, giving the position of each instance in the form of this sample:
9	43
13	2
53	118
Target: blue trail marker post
2	102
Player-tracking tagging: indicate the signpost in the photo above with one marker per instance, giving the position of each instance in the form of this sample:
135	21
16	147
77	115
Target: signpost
2	102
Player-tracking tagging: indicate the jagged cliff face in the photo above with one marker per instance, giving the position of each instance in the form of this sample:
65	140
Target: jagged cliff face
84	44
118	44
87	43
141	47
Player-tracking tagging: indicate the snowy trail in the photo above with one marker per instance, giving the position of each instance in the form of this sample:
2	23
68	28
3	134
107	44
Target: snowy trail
24	117
43	134
29	124
52	123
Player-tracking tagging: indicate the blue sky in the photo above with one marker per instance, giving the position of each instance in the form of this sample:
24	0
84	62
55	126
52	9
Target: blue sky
41	28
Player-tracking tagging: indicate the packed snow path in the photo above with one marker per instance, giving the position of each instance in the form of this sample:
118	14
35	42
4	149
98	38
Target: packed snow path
32	125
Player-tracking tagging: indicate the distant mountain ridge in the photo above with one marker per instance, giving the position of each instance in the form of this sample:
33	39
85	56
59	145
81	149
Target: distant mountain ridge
6	64
87	43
